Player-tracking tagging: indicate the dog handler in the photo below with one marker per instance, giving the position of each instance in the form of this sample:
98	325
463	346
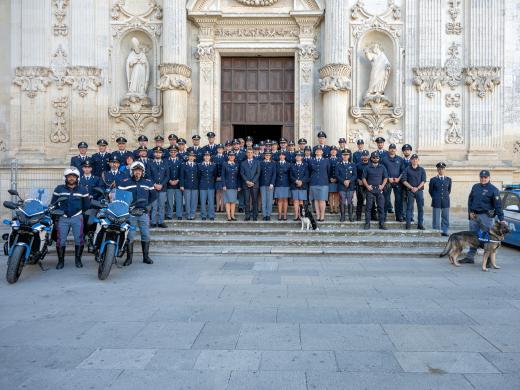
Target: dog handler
484	205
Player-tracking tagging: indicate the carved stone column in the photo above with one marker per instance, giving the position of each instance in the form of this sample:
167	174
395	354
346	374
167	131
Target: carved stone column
175	82
335	79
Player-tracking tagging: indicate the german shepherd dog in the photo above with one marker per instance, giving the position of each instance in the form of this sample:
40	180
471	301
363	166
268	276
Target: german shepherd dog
307	218
458	242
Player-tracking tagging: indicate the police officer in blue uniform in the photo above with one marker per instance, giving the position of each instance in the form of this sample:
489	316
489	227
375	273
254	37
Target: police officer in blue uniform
319	172
159	143
100	159
207	178
121	153
182	153
77	161
88	180
361	190
112	177
173	191
440	190
407	152
211	147
196	148
356	157
414	179
143	194
290	155
172	140
143	141
78	201
484	205
322	138
374	179
143	157
250	175
302	143
160	175
346	174
190	185
299	177
394	165
230	179
380	142
267	181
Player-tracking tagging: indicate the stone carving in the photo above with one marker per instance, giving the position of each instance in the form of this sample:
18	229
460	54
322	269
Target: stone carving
116	133
59	27
84	79
3	145
395	136
257	3
137	71
376	115
127	15
136	116
429	79
205	53
257	32
58	67
454	27
380	72
32	79
516	148
354	135
308	52
335	77
453	67
454	132
205	117
358	11
483	79
174	76
59	132
452	100
306	72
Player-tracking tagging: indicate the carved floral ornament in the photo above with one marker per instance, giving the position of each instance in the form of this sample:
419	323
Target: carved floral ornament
308	52
454	132
130	15
257	3
205	53
59	27
335	77
358	11
429	79
32	79
482	79
174	76
59	132
83	79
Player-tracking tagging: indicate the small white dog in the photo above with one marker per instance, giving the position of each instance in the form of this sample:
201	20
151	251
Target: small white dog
307	218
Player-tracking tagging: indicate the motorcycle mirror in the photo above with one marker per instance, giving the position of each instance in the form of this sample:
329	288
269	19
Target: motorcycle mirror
57	212
62	199
13	192
10	205
99	189
96	203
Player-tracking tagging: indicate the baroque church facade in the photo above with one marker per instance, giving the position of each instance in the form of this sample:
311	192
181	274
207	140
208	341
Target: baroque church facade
442	75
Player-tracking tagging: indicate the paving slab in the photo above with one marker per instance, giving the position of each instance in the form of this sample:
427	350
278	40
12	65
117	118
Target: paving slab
232	360
215	335
445	362
508	363
269	337
494	381
173	359
267	380
298	360
174	335
362	361
504	337
118	359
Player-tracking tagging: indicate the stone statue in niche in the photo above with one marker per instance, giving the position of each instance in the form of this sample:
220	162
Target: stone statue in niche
138	76
380	72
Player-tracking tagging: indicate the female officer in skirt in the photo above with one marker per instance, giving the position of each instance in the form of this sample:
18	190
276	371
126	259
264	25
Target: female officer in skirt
281	186
230	172
219	159
299	176
333	182
319	168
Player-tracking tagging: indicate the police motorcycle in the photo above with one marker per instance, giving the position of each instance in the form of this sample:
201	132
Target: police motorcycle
110	239
31	231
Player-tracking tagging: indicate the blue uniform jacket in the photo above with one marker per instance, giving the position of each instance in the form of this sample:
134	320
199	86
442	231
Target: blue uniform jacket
440	192
326	151
356	157
100	163
78	199
360	169
190	176
414	176
183	156
212	149
77	161
230	174
174	172
143	192
207	176
160	173
199	153
122	155
394	166
267	173
346	171
319	172
111	179
250	172
485	198
299	172
290	157
282	174
90	183
333	162
382	153
151	154
375	175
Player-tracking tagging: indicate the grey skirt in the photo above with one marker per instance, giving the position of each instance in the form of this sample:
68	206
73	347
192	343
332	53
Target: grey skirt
299	194
281	192
230	196
320	192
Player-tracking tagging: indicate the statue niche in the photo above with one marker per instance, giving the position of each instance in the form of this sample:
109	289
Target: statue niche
379	75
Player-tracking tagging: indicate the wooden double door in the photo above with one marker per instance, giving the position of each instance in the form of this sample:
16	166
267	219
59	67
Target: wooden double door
257	91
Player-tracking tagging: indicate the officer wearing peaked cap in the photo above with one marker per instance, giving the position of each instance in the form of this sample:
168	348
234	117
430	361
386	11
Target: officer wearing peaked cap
414	179
172	139
182	153
112	177
77	161
121	153
159	175
207	178
100	159
196	148
189	181
143	141
356	157
440	190
374	179
88	180
211	147
380	142
322	137
159	143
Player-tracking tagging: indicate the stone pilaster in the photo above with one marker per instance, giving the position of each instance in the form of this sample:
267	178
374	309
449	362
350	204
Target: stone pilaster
175	82
335	76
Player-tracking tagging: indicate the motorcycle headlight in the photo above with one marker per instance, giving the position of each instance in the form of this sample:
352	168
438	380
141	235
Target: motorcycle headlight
116	220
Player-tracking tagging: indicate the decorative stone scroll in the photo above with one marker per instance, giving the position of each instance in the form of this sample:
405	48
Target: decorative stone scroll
335	77
205	53
482	79
83	79
257	3
454	26
453	67
127	15
429	79
359	11
452	100
174	76
59	64
136	117
60	28
59	132
32	79
454	132
308	52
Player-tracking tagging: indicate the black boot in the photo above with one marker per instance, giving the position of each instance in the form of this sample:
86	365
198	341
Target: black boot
342	213
146	248
350	209
78	251
129	254
61	257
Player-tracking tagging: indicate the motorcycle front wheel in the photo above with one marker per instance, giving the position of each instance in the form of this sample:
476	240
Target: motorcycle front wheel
15	264
107	259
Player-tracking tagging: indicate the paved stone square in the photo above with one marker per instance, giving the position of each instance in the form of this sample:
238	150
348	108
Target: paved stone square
232	322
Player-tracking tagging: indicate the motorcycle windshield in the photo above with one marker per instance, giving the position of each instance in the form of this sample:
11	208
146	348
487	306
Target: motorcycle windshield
36	201
120	202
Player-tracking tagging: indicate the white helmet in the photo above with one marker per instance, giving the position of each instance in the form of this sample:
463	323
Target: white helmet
137	165
71	171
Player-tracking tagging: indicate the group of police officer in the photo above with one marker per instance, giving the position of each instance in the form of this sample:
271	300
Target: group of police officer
176	180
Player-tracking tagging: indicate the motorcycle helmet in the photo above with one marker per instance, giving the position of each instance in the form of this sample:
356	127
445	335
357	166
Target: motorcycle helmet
71	171
137	165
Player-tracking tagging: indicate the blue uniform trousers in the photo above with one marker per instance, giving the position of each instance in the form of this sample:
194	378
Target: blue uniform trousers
485	220
173	197
397	189
373	198
417	197
207	201
158	206
441	219
143	223
346	197
191	198
267	200
65	224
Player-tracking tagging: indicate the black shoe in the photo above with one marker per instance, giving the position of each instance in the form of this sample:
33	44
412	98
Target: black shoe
78	251
445	234
342	217
163	225
382	226
247	219
153	225
367	226
420	227
168	218
240	210
146	249
391	211
179	218
212	219
129	254
401	219
268	218
203	219
467	260
408	226
61	257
